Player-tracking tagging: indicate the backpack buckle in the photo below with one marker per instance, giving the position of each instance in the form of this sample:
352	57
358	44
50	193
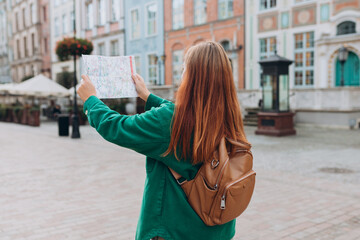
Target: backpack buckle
181	181
214	164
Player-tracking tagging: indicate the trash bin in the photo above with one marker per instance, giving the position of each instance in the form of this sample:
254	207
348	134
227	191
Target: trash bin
63	123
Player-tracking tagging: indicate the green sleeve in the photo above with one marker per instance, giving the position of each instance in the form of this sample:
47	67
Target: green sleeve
141	132
154	101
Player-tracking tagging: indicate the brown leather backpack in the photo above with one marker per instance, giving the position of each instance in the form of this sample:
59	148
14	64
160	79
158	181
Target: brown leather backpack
223	186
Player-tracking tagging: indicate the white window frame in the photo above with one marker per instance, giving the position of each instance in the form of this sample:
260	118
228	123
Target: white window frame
268	3
63	23
173	15
268	53
201	8
33	13
304	68
148	68
98	50
116	53
147	20
176	82
115	10
138	71
56	27
131	23
101	13
226	9
90	15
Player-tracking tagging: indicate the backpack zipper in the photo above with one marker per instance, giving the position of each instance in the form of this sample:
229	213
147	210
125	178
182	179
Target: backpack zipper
220	174
223	199
222	170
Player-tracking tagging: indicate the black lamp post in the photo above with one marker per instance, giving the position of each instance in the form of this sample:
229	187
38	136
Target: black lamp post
343	55
75	118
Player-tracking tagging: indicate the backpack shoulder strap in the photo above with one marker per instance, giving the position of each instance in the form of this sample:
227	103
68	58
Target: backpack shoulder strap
179	179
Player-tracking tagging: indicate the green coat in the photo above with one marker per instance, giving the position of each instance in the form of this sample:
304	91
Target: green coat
165	211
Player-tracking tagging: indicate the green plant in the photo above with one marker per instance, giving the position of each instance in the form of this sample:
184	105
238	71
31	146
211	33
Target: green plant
65	79
70	46
27	77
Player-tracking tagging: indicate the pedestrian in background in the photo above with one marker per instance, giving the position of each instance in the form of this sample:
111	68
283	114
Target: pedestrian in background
180	136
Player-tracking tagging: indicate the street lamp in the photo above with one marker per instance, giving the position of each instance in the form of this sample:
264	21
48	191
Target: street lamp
75	118
343	55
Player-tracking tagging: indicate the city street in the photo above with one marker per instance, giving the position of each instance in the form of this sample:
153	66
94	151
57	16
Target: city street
56	188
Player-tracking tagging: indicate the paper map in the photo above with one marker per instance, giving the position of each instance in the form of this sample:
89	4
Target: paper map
111	75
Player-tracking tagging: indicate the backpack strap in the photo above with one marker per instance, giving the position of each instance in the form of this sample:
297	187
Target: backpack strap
179	179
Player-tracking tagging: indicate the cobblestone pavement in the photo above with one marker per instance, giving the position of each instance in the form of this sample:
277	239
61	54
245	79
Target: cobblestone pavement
59	188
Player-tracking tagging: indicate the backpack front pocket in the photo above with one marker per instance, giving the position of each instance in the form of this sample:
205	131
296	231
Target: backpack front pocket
236	197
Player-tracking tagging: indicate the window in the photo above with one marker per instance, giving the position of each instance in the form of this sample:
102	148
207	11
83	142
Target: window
44	14
24	17
101	49
64	26
57	30
177	66
267	4
152	68
137	64
115	10
226	45
18	49
304	59
267	47
25	47
102	11
114	45
135	24
33	13
178	14
347	27
17	21
89	16
200	11
72	18
151	19
226	9
33	43
45	45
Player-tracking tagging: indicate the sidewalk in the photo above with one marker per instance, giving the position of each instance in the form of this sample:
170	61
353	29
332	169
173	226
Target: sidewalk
61	188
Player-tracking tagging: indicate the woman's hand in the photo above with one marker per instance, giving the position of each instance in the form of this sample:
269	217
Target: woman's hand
86	88
140	86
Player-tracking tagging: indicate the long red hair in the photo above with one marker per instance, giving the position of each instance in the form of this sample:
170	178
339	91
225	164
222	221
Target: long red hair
206	106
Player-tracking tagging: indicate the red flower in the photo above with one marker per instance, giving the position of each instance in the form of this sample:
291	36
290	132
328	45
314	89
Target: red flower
79	46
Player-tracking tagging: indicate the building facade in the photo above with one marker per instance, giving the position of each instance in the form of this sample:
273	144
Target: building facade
310	33
5	35
144	24
25	41
102	22
45	37
61	17
188	22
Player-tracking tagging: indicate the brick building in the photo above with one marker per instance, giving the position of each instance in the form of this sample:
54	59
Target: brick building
310	33
188	22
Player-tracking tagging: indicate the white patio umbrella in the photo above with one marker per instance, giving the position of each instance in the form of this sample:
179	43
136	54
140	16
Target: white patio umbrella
40	86
7	88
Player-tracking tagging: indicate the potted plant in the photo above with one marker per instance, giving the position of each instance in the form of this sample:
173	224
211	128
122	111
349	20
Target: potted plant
73	46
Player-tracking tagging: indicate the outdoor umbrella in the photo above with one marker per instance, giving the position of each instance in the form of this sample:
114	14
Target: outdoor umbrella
40	86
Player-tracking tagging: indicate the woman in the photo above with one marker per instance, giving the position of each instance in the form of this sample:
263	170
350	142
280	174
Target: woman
180	136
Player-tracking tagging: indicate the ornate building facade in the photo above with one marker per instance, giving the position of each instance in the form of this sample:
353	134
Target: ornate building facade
310	33
188	22
5	36
26	39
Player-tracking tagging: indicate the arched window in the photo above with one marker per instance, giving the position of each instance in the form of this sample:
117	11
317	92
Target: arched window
347	27
226	45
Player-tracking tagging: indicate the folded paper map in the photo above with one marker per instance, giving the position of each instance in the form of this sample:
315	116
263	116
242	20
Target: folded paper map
111	75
